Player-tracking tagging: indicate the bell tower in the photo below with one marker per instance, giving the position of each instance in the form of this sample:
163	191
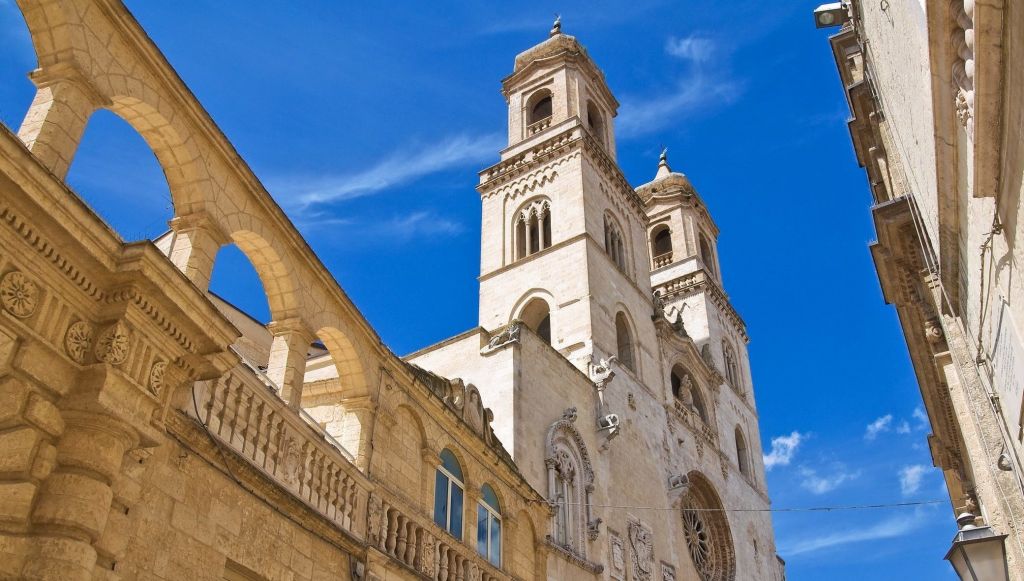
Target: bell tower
563	232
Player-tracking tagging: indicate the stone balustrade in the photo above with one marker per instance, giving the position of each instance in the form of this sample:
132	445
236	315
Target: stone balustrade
538	126
663	259
423	546
248	416
696	424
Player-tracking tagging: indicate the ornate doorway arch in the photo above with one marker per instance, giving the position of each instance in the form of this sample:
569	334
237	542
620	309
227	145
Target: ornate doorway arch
706	531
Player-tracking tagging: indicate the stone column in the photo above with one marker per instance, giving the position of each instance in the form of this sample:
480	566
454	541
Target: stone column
56	120
287	365
197	239
74	502
357	426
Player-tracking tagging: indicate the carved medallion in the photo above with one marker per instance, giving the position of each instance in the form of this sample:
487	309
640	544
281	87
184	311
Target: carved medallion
156	377
112	345
78	341
642	544
19	294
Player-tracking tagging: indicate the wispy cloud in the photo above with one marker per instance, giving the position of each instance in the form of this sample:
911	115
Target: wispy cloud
903	427
783	450
692	48
893	527
393	171
921	417
882	424
911	477
698	86
398	229
817	483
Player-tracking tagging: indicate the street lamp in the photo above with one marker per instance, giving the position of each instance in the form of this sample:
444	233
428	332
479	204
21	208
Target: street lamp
978	553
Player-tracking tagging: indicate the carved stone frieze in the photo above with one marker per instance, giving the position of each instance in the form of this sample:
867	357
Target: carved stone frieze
668	572
510	334
156	377
19	294
78	341
113	344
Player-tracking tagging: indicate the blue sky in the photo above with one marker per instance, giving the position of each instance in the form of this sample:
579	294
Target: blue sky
369	123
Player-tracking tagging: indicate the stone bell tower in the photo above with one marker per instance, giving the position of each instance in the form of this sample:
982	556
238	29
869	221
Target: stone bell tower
563	233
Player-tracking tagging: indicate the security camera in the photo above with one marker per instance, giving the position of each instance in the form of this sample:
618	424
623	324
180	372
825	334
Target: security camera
677	481
608	422
829	15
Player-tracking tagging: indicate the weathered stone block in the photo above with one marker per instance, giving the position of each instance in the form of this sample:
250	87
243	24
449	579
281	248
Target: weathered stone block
44	414
19	447
16	500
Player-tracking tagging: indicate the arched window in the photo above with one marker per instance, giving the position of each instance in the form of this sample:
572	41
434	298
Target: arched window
537	316
540	106
686	392
706	531
661	246
488	526
705	254
624	340
742	459
448	493
533	228
570	483
731	366
614	244
595	121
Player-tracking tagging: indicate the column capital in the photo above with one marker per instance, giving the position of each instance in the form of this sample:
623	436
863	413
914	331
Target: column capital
68	74
200	220
292	326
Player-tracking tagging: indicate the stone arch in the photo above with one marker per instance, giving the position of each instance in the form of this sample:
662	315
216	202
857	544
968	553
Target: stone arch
627	347
616	243
404	459
348	362
534	310
706	531
661	245
570	477
539	106
531	227
270	265
742	451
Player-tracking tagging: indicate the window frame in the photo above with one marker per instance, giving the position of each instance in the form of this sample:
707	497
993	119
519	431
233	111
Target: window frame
451	481
493	518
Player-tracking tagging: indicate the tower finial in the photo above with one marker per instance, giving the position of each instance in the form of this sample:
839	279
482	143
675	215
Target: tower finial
556	28
663	168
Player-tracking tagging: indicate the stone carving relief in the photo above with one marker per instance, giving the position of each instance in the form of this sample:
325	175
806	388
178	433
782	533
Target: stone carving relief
19	294
668	572
78	341
290	460
510	334
374	520
156	377
616	556
112	345
427	556
641	543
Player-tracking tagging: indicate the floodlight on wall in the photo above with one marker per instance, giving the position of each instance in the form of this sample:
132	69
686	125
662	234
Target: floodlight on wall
978	553
829	15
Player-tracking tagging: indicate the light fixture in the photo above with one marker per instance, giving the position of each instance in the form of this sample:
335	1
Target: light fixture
978	553
829	15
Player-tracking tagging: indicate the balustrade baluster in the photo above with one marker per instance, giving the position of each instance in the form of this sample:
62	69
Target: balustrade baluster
392	531
442	569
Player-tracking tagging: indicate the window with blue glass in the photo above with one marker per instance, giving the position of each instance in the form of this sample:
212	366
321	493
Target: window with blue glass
488	526
448	491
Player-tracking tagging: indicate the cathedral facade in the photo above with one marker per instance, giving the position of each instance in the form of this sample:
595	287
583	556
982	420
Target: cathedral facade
598	424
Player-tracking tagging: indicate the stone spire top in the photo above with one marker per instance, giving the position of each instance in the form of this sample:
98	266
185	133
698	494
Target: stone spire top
663	168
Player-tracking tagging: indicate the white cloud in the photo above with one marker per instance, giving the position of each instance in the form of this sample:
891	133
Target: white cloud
395	170
820	484
921	417
890	528
910	478
882	424
783	450
642	116
693	48
398	229
903	427
698	87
